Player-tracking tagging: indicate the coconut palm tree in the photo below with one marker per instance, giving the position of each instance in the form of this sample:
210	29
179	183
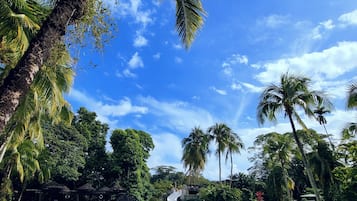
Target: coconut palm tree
44	100
278	149
189	15
291	94
195	150
320	111
234	145
351	128
221	134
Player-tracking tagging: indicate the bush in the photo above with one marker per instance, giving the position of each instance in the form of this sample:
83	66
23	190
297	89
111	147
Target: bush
220	192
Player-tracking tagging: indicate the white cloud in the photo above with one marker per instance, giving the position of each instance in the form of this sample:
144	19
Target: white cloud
135	61
105	111
274	21
219	91
177	115
236	86
349	18
140	41
329	63
252	88
177	46
157	55
128	73
133	8
328	24
233	60
320	29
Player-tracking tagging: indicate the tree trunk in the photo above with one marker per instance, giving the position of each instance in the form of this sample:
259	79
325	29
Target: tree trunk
16	85
219	168
304	159
231	169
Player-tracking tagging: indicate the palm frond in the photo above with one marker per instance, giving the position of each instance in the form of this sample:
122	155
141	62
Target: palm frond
189	19
352	96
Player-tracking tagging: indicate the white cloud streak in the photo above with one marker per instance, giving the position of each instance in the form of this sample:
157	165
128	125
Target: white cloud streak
135	61
349	18
177	115
140	41
106	112
219	91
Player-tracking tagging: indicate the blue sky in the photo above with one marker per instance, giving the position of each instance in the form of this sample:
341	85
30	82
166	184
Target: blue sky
146	80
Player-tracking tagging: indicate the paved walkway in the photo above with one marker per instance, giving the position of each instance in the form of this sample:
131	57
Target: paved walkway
174	195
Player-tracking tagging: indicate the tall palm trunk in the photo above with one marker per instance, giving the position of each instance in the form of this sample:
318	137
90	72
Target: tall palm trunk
219	167
16	85
304	159
329	139
231	170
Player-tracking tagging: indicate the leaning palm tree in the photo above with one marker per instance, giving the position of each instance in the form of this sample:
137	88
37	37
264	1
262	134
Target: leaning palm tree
195	150
78	13
234	145
292	93
220	133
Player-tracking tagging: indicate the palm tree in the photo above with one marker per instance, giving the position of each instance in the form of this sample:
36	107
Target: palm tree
352	96
221	134
195	150
44	100
278	148
189	15
234	145
351	128
320	111
292	93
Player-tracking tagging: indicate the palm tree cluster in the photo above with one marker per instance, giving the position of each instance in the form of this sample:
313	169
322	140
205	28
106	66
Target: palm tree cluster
36	68
196	147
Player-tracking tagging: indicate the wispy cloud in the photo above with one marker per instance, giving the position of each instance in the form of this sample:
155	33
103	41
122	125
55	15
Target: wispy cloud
177	115
140	41
219	91
135	61
133	8
274	21
107	112
319	30
157	55
177	46
252	88
349	18
233	60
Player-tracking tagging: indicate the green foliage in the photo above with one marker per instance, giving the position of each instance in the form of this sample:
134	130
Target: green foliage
347	178
6	191
220	193
64	152
189	19
130	152
195	150
96	158
161	190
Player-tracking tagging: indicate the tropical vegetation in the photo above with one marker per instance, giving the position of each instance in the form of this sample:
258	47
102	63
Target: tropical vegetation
43	141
